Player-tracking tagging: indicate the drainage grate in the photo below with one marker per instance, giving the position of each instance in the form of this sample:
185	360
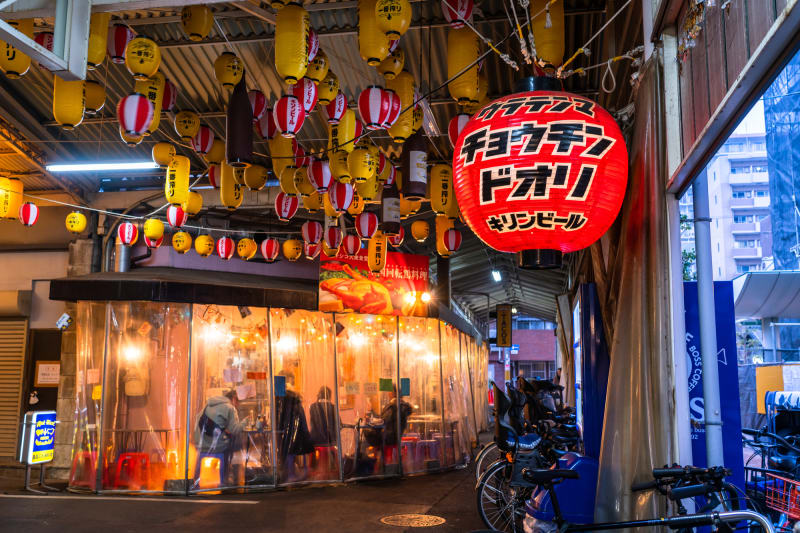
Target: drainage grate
413	520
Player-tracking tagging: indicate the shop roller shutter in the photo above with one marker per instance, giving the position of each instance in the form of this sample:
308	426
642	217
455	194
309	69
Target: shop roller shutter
13	336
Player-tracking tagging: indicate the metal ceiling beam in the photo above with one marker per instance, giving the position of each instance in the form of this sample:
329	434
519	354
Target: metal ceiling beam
256	11
45	8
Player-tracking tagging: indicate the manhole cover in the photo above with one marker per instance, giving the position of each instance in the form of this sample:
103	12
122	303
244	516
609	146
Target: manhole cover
413	520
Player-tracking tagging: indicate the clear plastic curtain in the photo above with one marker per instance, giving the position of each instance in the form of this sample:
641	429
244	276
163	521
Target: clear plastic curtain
633	289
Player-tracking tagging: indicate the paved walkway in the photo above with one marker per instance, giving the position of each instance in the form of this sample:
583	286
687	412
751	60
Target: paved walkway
356	507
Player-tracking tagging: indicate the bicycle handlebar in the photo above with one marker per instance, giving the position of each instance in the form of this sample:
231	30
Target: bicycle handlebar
690	491
764	433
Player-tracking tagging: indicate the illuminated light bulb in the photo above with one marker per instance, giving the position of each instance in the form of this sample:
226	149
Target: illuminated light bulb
410	298
132	353
426	297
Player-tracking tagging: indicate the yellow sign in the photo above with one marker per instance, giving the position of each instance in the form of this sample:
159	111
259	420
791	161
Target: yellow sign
503	326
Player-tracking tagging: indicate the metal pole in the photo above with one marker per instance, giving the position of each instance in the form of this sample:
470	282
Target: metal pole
272	415
399	437
336	399
774	341
708	328
441	399
189	423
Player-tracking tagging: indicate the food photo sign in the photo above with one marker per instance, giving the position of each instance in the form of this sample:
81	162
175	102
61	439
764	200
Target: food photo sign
347	285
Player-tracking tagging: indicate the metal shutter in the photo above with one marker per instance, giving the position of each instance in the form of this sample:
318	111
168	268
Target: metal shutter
13	337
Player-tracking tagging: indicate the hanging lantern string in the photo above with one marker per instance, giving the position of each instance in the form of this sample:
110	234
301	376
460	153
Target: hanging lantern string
505	57
630	54
524	4
584	49
520	37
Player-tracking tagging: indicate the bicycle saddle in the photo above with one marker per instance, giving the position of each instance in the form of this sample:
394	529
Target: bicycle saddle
541	477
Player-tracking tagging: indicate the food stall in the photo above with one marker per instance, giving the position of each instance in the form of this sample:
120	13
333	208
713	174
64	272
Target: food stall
308	396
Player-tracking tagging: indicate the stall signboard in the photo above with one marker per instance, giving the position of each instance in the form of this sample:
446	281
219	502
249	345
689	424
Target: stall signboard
38	437
728	378
347	285
504	325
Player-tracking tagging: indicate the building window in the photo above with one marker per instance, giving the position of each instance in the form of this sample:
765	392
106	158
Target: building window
759	168
758	146
738	194
735	147
762	194
718	247
742	219
749	243
741	269
537	369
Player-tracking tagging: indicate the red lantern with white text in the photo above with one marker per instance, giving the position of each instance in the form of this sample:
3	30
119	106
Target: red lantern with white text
134	113
28	214
352	244
452	240
312	231
366	225
336	108
289	115
258	102
127	233
540	169
306	91
203	140
457	10
373	105
286	206
341	196
269	249
457	124
176	216
225	248
118	38
215	175
319	173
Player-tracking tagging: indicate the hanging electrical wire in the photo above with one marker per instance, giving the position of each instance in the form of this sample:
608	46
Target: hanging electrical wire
634	55
505	57
585	48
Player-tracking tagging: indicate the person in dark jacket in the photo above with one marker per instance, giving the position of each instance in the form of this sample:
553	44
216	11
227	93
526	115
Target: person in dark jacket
324	422
388	433
293	436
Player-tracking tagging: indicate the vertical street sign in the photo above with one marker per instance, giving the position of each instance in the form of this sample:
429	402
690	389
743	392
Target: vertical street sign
503	325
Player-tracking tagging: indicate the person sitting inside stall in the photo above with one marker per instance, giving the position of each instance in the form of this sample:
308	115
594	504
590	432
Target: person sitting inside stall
324	421
386	434
294	438
218	431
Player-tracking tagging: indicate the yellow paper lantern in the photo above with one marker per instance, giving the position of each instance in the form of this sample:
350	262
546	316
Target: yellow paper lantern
142	57
291	43
282	151
193	204
204	245
376	252
163	152
277	5
196	21
549	41
98	40
217	152
230	192
229	69
361	164
442	225
346	131
255	177
357	205
130	140
286	180
313	202
393	16
68	102
11	191
95	97
373	44
328	207
318	69
75	222
338	165
153	89
370	190
451	209
246	248
14	63
176	187
328	88
301	183
182	242
187	124
328	251
153	229
406	207
462	51
441	184
416	123
393	65
292	249
420	230
238	175
403	85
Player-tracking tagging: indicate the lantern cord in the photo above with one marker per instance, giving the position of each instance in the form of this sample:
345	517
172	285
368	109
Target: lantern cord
520	37
505	57
584	49
524	4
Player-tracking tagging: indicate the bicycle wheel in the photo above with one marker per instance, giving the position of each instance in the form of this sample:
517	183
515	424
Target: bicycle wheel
501	505
488	455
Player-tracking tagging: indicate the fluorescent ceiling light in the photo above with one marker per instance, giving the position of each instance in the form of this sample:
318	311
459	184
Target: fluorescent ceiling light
496	275
514	310
90	167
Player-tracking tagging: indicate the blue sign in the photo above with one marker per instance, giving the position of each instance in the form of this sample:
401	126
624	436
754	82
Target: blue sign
39	438
514	349
280	386
728	378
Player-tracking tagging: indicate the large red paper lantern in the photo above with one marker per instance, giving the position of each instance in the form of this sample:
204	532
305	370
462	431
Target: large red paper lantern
352	244
176	216
28	213
289	115
336	108
312	231
373	106
225	248
366	225
286	206
118	38
333	236
170	97
457	124
215	175
306	91
127	233
203	140
269	249
258	102
391	177
540	173
134	113
341	196
319	174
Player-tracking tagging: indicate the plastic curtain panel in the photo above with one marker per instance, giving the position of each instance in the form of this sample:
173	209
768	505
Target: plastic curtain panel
565	347
634	293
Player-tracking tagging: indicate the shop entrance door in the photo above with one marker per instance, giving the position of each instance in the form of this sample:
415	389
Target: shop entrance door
42	371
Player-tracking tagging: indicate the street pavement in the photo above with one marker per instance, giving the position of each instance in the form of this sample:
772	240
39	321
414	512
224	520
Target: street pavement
355	507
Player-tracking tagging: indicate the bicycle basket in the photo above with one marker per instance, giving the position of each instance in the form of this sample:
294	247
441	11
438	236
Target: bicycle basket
783	495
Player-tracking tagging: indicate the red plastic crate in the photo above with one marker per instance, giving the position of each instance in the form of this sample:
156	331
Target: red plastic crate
783	495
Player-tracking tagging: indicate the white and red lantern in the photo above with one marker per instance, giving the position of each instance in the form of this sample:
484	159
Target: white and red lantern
319	174
135	113
214	175
170	97
28	213
457	124
333	236
305	90
397	240
153	243
373	105
352	244
286	206
395	106
118	38
557	184
225	248
258	103
366	225
270	249
359	131
289	115
312	250
336	108
45	40
266	125
312	231
127	233
313	45
300	157
457	10
203	140
452	240
391	177
176	216
341	196
393	44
